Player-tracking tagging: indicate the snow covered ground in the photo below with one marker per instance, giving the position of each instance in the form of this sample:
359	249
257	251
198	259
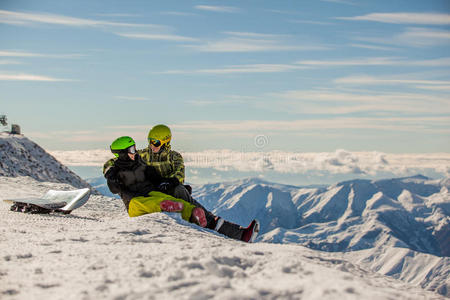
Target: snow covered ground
397	227
98	252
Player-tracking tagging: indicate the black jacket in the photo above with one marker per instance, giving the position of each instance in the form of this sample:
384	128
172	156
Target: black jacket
130	179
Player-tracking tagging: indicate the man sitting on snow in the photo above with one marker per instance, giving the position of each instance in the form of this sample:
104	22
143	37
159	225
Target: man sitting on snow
137	184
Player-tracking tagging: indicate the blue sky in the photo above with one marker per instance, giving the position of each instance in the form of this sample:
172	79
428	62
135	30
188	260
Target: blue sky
243	75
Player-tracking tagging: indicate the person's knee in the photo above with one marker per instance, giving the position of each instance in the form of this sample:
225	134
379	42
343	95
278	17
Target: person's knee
181	192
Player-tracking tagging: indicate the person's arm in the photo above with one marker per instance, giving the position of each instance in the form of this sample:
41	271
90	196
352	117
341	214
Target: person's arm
115	185
112	180
178	166
108	165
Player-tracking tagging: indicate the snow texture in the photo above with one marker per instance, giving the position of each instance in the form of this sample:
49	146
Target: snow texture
98	252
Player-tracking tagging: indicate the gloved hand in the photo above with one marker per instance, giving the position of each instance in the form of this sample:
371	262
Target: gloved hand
111	176
168	184
164	186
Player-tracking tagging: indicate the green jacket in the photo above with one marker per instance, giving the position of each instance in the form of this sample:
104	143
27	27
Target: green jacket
167	163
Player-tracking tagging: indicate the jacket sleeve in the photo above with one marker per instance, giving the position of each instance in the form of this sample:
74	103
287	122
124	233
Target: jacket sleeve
113	186
112	180
114	183
178	166
109	164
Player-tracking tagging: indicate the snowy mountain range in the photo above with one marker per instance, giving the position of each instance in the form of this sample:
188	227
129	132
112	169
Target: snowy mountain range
408	212
397	227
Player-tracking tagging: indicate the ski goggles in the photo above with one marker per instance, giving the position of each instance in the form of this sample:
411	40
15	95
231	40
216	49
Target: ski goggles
131	150
156	143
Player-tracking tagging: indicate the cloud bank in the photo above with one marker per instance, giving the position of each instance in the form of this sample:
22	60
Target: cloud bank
338	162
404	18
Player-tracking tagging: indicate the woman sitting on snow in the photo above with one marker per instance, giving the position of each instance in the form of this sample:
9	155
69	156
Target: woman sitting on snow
137	183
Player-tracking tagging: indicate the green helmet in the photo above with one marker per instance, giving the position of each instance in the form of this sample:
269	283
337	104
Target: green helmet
159	135
124	144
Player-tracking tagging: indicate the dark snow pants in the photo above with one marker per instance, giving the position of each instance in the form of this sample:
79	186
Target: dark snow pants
228	229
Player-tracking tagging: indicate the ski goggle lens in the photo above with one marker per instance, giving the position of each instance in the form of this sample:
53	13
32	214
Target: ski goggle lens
155	142
132	149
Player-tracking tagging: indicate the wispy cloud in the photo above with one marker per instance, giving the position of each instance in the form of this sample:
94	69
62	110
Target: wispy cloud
369	61
306	126
29	77
33	54
404	18
374	47
283	12
177	13
20	54
307	64
160	37
310	22
129	98
256	68
226	100
300	127
411	37
9	62
223	9
360	80
255	35
423	37
377	61
118	15
445	88
27	18
370	80
339	103
347	2
253	42
77	136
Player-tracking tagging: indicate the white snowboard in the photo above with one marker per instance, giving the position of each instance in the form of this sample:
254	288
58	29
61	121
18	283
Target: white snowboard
62	201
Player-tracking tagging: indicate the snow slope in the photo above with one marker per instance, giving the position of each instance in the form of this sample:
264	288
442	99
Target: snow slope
401	224
99	252
20	156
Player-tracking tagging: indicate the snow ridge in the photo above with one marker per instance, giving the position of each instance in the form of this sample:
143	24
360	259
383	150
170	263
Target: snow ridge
20	156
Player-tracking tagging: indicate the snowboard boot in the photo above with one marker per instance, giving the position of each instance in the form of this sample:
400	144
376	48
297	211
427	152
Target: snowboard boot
171	206
251	232
198	217
229	229
29	208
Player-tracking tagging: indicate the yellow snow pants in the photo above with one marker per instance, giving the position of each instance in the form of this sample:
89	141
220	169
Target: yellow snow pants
150	204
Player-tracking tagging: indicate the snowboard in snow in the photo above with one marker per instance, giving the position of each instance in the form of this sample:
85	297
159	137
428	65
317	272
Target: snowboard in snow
52	201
